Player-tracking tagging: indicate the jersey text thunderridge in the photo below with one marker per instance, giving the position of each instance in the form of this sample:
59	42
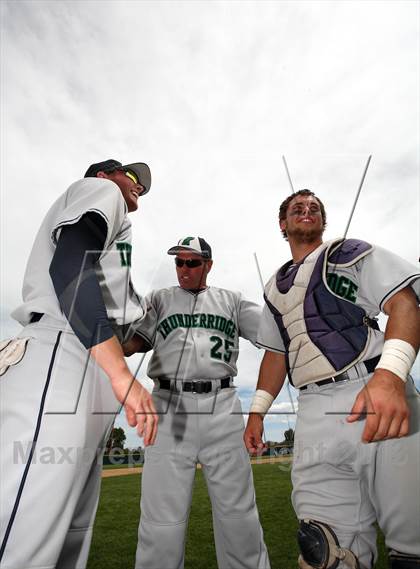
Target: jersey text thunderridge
211	321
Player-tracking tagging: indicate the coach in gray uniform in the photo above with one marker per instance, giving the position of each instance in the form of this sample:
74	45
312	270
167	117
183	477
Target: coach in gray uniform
319	325
58	402
194	330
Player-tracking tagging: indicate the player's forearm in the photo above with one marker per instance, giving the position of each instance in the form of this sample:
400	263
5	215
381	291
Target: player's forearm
401	336
404	318
270	381
110	357
272	373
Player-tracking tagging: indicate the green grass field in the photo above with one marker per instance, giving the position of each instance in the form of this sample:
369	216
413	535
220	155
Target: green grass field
115	535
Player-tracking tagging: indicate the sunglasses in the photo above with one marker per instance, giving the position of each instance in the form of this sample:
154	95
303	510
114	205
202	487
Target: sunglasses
132	176
191	263
129	173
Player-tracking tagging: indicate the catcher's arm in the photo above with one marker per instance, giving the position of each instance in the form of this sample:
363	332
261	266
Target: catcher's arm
270	380
383	400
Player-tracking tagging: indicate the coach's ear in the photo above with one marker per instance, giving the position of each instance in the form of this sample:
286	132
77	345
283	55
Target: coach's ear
208	265
101	175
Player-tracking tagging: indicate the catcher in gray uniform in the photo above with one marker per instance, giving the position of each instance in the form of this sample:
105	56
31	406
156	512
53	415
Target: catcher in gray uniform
64	377
194	330
319	326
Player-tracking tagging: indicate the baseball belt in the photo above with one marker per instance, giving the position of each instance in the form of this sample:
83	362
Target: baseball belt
368	364
196	386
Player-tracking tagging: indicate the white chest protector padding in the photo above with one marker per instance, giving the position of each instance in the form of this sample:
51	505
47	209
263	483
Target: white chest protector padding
307	363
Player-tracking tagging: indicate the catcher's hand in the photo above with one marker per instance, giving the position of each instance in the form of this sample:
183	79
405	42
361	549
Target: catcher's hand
383	403
253	434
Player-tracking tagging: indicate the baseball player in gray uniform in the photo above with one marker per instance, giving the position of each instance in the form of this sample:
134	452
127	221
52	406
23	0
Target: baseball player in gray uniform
194	330
319	326
63	378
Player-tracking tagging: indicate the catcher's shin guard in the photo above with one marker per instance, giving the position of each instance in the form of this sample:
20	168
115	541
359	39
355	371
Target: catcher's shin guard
320	549
399	560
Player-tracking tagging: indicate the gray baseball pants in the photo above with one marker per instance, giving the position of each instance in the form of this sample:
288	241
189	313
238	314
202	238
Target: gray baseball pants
56	407
205	429
347	484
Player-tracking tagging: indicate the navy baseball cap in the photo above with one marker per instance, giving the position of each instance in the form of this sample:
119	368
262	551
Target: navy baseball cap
194	244
141	171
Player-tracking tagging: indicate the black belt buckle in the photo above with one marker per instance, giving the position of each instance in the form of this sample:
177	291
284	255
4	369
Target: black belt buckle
200	387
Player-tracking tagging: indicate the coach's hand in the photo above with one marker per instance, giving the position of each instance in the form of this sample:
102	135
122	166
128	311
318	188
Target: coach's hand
138	405
134	345
384	403
253	434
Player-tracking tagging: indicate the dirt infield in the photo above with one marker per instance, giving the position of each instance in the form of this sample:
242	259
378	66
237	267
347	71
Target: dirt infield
111	472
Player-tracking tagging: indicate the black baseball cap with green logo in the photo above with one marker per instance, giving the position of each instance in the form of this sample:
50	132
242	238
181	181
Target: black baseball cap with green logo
194	244
139	169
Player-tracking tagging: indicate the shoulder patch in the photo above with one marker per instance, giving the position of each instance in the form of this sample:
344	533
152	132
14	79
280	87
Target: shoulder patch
349	251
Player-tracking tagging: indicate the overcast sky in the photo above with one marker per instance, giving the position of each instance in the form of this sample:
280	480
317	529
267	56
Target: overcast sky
211	95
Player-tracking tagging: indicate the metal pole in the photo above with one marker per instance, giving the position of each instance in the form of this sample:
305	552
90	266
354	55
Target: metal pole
288	174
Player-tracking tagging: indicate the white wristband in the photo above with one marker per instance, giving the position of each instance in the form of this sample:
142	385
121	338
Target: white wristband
397	356
261	402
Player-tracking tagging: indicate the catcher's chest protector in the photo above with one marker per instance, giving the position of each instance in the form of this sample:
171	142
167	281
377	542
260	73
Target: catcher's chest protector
323	333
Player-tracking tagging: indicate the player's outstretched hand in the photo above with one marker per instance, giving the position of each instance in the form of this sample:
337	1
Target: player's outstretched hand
137	401
253	434
384	403
138	405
